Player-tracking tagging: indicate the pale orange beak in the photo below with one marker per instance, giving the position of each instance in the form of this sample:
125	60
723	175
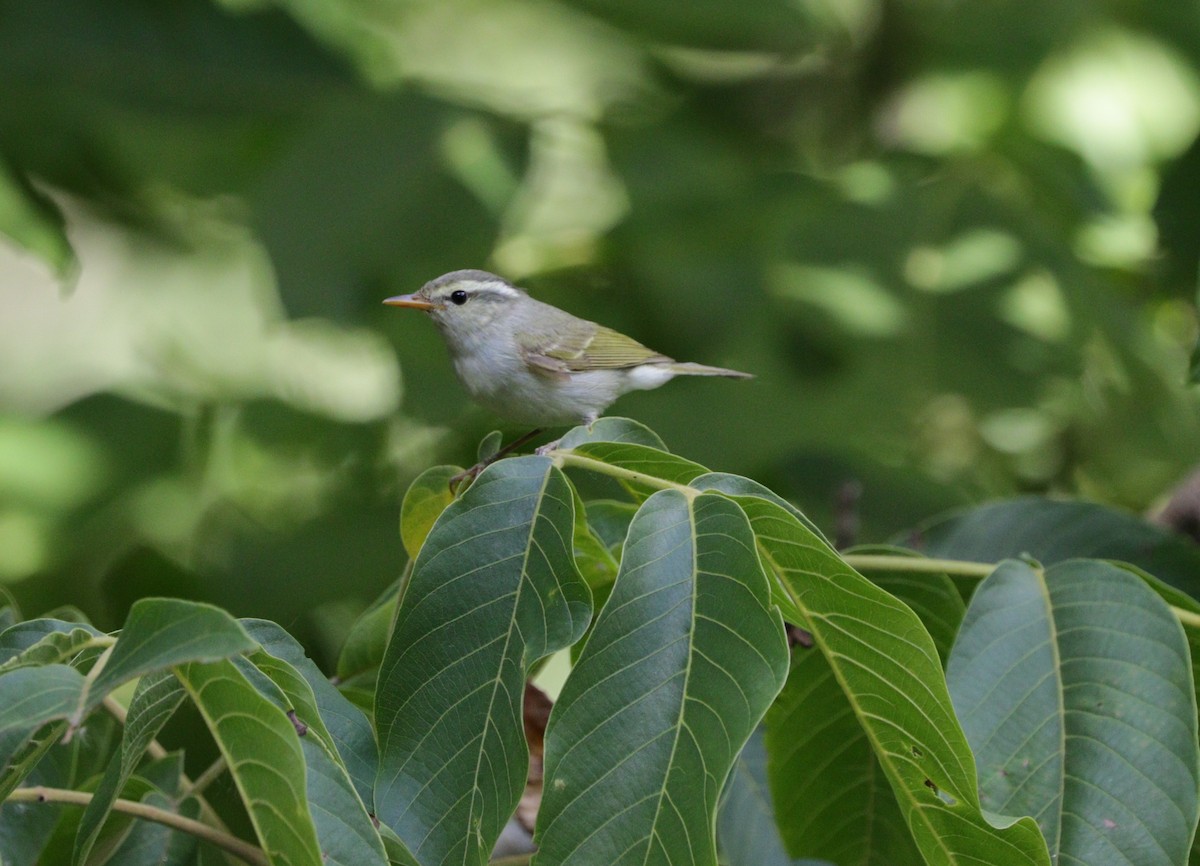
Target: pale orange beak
410	301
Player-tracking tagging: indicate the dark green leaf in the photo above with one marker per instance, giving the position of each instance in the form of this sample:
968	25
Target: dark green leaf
684	660
493	590
1074	687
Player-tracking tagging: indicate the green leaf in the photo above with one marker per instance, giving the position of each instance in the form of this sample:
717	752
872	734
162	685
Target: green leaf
31	697
489	446
889	668
609	520
154	701
931	595
1051	531
612	429
747	833
27	756
348	838
348	728
368	637
344	828
264	756
164	632
493	590
1074	687
44	642
684	660
832	798
424	501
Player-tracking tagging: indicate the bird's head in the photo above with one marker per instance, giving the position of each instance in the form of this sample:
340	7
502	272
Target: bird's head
461	303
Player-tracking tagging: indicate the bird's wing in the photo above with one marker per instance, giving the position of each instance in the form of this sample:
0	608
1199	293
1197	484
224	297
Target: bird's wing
587	346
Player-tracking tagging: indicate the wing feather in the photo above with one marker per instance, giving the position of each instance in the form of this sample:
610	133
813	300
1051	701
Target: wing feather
588	346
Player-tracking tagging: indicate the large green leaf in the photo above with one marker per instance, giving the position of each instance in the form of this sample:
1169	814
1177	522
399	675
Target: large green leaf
1053	530
888	666
684	660
154	701
160	633
1074	688
262	749
493	590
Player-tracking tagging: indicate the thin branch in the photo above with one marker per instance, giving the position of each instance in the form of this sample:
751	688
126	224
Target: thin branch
210	774
232	844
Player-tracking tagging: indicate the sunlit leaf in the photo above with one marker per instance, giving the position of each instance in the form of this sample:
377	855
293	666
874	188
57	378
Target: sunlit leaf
424	501
1074	687
684	660
263	753
494	589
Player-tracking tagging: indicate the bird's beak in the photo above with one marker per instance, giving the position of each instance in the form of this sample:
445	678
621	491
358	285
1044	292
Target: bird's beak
411	301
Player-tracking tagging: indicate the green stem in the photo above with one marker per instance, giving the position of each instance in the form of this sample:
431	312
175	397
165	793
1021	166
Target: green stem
563	459
235	846
894	562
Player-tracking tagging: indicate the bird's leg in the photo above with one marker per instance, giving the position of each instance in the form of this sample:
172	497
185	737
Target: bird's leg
543	450
484	464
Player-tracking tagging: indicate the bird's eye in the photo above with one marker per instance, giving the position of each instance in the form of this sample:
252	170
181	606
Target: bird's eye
458	296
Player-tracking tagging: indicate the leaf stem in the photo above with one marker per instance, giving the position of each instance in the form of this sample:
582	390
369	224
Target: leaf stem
563	459
892	562
232	844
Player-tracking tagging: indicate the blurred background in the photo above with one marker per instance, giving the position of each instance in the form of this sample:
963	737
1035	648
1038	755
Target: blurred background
957	243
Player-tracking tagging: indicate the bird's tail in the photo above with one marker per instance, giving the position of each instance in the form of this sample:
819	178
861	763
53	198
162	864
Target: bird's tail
687	368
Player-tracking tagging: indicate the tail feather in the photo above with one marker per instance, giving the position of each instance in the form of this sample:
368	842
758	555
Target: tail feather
688	368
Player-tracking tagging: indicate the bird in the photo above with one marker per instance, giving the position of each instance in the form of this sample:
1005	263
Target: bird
533	364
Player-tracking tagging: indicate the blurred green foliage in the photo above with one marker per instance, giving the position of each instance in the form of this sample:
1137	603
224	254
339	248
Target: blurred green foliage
956	242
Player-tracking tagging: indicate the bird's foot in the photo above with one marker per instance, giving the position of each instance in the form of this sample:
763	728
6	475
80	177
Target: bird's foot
543	450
